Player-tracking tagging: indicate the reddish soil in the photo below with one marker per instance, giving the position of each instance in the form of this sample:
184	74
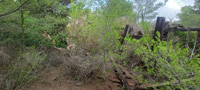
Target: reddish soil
51	79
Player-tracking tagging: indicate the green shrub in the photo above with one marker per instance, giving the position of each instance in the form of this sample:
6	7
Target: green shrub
61	40
165	62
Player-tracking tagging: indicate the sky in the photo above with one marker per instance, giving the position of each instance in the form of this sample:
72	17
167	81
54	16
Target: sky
172	8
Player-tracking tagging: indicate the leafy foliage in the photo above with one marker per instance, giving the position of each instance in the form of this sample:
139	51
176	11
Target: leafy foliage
164	61
188	17
190	14
94	36
39	16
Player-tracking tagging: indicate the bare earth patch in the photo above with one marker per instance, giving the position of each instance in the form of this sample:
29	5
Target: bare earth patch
52	79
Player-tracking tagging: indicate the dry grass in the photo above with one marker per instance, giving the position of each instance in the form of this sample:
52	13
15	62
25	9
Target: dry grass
4	62
20	70
84	68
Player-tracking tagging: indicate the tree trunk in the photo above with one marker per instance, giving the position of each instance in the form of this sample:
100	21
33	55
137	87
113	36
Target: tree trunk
22	25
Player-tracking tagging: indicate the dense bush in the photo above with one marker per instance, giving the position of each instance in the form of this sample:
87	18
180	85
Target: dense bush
165	61
93	39
95	31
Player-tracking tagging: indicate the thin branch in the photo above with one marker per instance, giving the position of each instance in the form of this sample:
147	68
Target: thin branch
168	83
176	76
46	6
12	11
192	53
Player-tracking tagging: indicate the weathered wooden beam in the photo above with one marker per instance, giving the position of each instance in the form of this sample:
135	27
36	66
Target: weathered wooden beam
176	29
159	27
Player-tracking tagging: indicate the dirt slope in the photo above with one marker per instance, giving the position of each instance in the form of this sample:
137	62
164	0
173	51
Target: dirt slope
52	79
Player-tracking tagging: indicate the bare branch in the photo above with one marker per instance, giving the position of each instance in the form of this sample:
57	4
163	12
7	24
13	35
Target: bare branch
168	83
14	10
192	53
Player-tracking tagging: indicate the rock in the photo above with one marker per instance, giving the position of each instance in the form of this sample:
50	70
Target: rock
134	32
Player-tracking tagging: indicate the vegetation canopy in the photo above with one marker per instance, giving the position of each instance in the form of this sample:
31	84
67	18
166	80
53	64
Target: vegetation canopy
97	44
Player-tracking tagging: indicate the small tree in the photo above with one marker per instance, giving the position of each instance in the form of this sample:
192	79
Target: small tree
189	15
146	9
